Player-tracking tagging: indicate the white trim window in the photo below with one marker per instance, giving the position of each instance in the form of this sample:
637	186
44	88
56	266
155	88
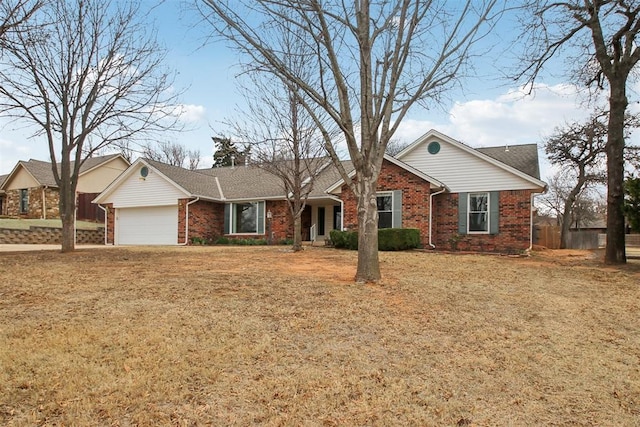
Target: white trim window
385	210
244	218
389	209
478	213
24	200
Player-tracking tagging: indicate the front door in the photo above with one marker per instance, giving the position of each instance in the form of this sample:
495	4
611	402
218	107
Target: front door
321	221
305	220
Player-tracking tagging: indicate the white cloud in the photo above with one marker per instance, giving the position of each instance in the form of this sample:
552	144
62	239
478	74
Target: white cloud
516	117
190	113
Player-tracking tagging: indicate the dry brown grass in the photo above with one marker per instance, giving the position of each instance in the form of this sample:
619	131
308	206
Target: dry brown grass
261	336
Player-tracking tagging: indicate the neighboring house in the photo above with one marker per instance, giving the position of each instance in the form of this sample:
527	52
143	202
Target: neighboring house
457	196
3	195
31	190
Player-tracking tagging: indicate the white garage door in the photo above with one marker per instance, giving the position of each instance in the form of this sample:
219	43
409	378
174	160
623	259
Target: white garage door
156	225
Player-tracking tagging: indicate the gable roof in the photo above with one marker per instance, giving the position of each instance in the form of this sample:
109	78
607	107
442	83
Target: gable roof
520	160
43	174
228	183
397	162
2	179
522	157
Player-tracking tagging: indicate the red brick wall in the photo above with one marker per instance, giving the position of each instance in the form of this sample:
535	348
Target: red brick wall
513	228
206	220
281	221
415	199
111	222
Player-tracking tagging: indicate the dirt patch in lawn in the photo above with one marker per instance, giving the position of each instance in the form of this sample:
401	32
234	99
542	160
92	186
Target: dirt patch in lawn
263	336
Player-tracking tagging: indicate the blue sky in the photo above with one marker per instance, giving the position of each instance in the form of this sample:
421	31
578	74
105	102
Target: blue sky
487	112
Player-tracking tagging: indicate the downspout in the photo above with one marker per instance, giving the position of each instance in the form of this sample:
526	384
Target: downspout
533	195
186	222
341	215
431	215
106	231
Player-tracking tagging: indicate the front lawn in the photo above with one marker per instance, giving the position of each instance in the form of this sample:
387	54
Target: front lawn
263	336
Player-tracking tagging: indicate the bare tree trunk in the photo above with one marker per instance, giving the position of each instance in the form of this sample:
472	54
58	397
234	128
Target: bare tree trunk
615	250
68	215
568	211
368	262
297	231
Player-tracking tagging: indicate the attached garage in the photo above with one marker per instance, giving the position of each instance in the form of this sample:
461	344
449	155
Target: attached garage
153	225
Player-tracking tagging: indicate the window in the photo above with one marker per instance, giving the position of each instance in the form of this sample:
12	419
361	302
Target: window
24	201
478	212
385	210
244	218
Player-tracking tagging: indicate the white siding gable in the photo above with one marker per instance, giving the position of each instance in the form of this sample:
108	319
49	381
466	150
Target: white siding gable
460	170
154	190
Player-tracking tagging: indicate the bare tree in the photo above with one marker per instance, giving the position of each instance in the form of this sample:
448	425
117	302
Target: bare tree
14	14
395	146
602	36
580	148
88	74
373	62
284	140
172	153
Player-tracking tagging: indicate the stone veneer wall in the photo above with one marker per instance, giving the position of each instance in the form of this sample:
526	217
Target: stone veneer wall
48	235
51	200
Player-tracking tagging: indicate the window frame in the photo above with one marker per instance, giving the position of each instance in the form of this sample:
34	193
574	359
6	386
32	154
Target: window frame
24	200
232	218
487	212
385	194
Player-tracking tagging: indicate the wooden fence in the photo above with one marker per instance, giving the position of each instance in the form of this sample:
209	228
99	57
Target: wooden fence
549	237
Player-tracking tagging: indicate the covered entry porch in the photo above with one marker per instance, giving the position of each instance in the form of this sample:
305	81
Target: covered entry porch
320	217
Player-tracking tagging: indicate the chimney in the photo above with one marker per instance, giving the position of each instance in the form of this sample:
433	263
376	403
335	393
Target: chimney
233	161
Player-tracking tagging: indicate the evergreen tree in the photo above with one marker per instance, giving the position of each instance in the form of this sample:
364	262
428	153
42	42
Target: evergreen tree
227	153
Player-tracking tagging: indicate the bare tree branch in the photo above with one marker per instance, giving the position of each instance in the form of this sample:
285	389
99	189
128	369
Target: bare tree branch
373	61
86	75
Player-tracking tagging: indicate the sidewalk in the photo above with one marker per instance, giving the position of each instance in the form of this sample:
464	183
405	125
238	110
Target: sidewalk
29	248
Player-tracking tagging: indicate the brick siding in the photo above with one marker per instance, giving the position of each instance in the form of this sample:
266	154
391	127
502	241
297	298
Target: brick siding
513	228
111	222
206	220
514	223
415	199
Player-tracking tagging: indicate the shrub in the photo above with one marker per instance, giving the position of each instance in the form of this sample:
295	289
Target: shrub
389	239
398	239
199	241
222	241
337	239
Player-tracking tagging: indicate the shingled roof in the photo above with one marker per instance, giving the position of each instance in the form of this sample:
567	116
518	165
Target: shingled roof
521	157
2	179
243	182
43	174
